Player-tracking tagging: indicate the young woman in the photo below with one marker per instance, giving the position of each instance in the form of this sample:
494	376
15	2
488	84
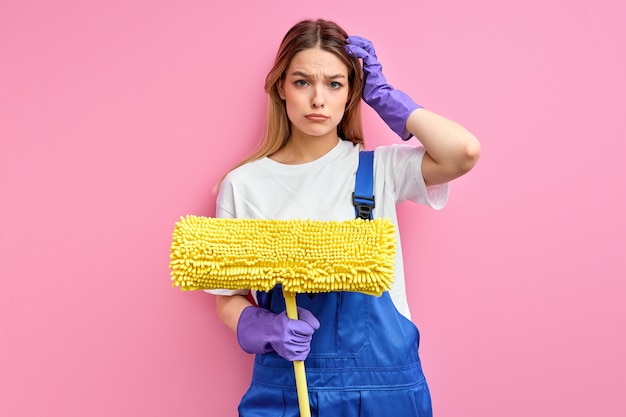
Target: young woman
360	351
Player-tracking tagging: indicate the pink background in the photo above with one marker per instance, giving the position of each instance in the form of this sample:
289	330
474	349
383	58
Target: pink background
118	117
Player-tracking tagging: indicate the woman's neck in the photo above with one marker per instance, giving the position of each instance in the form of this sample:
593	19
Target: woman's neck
301	149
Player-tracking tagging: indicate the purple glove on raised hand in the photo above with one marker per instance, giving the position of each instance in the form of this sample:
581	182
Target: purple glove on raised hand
393	106
261	331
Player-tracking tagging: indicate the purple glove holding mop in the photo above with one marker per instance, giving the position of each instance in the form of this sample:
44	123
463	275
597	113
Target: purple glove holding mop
393	106
261	331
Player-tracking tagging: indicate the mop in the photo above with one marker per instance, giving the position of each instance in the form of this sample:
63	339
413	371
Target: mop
303	256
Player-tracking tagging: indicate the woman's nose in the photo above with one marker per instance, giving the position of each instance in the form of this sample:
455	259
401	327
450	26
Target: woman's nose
318	98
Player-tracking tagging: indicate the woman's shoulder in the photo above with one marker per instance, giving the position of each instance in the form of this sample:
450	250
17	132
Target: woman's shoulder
398	151
242	172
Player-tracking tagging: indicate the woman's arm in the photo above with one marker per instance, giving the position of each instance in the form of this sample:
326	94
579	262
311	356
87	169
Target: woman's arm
451	150
229	308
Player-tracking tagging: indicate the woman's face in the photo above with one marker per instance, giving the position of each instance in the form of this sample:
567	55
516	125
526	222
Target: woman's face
316	90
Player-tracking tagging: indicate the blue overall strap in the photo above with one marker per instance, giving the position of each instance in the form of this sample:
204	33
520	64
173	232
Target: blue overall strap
363	195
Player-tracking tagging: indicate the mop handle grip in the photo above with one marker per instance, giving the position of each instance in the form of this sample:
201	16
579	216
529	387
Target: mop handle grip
298	366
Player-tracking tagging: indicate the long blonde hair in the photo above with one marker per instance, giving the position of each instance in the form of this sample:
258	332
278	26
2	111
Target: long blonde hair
328	36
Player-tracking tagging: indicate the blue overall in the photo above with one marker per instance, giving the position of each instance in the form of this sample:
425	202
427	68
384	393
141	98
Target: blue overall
364	362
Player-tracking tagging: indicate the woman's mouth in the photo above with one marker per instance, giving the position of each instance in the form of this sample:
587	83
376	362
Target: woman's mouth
316	117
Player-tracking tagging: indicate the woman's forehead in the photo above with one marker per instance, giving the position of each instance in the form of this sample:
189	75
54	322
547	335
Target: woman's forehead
317	62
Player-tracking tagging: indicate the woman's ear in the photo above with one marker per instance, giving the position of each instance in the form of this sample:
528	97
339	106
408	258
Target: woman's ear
281	90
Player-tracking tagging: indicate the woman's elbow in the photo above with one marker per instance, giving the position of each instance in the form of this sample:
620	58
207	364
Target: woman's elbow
465	158
469	155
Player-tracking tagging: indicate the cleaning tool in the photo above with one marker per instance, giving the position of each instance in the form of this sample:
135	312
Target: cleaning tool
303	256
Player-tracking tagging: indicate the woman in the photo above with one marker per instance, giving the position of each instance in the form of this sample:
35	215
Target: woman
360	352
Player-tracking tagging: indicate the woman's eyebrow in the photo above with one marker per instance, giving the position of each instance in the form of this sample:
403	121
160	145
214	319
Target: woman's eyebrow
303	74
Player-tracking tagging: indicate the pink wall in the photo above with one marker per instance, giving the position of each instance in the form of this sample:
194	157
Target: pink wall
118	117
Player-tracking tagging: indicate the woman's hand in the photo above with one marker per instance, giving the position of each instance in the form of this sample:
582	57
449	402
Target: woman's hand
392	105
262	331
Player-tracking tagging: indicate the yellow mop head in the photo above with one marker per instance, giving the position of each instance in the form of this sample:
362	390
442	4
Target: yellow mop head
304	256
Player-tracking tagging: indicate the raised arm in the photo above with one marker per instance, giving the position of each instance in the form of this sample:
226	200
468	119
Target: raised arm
451	150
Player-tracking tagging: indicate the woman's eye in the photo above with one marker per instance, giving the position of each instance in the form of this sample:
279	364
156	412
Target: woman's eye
301	83
334	85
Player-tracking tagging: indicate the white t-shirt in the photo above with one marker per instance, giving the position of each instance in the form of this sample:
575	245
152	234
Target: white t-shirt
322	190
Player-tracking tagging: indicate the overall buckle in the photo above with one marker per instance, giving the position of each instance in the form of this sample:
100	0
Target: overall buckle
363	206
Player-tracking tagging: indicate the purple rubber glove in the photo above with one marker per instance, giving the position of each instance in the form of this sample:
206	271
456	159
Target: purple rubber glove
393	106
261	331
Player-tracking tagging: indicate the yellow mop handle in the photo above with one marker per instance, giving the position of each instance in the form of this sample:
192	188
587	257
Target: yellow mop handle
298	366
